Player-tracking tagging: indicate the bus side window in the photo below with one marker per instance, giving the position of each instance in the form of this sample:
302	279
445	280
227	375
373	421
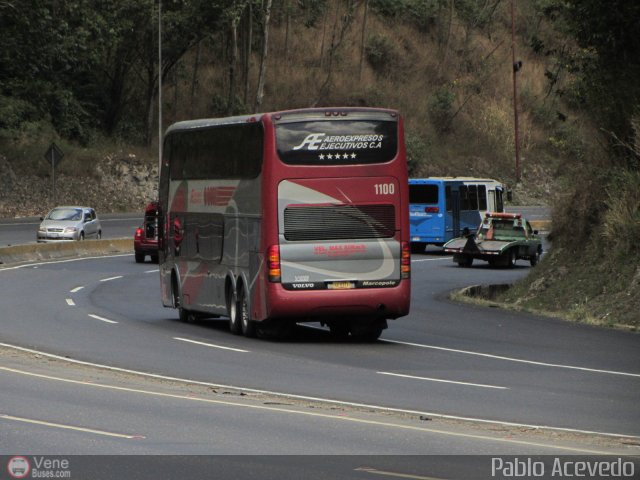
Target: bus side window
482	197
464	197
473	197
447	198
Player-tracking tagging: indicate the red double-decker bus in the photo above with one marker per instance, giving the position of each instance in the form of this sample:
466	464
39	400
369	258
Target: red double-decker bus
293	216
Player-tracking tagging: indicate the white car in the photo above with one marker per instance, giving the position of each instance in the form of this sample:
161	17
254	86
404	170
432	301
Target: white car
69	223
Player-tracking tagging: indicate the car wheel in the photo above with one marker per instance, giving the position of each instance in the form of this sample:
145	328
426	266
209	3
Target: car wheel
154	259
81	238
249	328
186	316
139	257
99	236
235	325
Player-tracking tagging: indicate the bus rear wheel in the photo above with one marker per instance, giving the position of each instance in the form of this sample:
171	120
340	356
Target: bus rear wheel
235	325
249	328
367	330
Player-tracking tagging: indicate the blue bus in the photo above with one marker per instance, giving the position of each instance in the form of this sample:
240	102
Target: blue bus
440	208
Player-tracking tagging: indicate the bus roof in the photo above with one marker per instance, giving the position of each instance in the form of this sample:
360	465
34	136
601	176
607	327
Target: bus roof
285	115
453	179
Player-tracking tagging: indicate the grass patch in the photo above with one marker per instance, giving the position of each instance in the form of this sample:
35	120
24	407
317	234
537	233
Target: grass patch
586	286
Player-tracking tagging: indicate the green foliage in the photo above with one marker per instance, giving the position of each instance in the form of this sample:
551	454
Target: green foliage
417	153
441	109
314	11
568	141
609	59
421	13
14	112
88	65
621	225
380	53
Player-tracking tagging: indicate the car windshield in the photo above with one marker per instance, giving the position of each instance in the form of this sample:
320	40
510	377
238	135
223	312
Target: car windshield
65	214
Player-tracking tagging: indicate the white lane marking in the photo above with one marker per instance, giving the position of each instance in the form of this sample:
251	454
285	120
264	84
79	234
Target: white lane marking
291	411
77	289
429	379
68	260
510	359
111	278
318	399
153	271
102	319
70	302
210	345
68	427
386	473
430	259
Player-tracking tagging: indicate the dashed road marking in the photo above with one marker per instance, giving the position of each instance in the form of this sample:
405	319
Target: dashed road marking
210	345
102	319
442	380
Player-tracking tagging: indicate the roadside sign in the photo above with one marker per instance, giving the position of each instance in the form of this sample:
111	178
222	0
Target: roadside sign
53	155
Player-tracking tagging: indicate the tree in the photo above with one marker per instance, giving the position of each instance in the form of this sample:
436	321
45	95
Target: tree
608	34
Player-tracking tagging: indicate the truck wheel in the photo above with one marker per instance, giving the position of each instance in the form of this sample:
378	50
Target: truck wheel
465	262
535	258
511	259
417	247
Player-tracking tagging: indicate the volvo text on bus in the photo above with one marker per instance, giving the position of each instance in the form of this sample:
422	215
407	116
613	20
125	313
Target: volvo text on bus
287	217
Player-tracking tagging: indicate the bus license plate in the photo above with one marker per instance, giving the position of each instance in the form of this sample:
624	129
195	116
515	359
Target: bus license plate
341	285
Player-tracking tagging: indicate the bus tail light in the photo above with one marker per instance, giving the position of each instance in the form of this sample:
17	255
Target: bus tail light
432	210
405	261
273	259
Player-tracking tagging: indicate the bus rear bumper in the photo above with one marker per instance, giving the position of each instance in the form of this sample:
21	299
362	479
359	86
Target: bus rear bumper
315	305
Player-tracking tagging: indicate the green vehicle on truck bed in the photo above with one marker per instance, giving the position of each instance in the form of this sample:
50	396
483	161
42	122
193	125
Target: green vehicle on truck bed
501	240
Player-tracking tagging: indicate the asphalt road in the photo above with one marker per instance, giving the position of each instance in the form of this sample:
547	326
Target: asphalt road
444	358
429	375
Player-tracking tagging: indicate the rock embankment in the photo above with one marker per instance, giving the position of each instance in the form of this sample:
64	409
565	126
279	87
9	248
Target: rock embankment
117	184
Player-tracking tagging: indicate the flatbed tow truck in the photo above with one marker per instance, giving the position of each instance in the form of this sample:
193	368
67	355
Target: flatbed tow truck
501	240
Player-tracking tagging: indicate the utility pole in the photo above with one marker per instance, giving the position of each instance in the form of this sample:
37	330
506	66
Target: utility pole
516	67
159	85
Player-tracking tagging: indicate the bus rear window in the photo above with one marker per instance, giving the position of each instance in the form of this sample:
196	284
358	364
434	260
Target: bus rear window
423	194
337	142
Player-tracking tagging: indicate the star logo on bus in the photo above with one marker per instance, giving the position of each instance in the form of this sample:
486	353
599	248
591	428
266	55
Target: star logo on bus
321	156
345	156
330	157
353	156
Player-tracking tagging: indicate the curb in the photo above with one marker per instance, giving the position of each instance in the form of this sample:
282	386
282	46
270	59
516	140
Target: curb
54	251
